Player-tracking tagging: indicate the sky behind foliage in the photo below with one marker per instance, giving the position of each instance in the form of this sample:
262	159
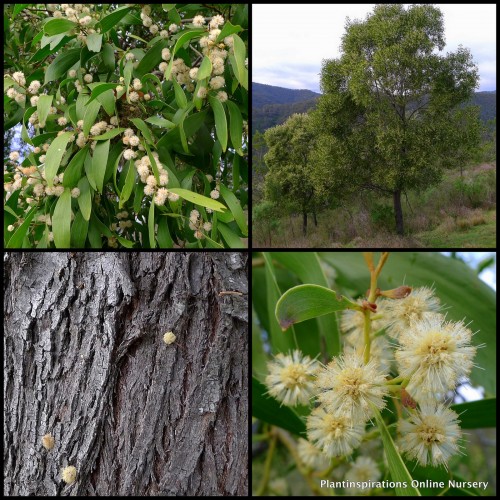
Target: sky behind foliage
289	42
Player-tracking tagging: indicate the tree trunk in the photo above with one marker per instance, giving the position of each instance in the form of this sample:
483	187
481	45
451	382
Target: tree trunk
304	222
398	212
85	361
315	218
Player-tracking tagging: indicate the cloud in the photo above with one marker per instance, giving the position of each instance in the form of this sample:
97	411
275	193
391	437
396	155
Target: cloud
289	42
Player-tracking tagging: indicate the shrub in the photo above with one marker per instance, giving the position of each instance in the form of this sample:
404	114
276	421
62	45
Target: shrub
137	120
382	216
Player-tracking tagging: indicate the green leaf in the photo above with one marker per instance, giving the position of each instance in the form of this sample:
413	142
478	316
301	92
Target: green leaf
99	88
232	239
124	242
107	99
100	226
54	155
205	69
79	230
279	342
16	240
128	186
152	160
91	112
89	171
94	42
151	59
108	57
397	468
235	126
73	171
304	302
127	75
180	97
240	54
307	267
18	8
61	221
269	410
81	101
164	238
56	26
184	38
151	224
109	134
144	129
220	121
227	30
43	108
235	207
477	414
160	122
111	20
99	162
199	199
456	285
61	64
85	198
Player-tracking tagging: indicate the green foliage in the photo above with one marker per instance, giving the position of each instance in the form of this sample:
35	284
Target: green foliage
288	160
139	116
382	215
391	110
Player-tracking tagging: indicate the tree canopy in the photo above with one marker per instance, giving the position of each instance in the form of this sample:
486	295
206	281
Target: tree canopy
390	117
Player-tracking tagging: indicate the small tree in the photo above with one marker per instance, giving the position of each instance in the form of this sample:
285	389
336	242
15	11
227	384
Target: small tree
391	107
136	116
288	181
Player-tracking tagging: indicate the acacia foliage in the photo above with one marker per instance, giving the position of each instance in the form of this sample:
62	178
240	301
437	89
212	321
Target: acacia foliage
390	115
288	181
187	106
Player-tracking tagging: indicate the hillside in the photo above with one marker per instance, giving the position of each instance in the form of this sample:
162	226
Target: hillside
268	94
273	105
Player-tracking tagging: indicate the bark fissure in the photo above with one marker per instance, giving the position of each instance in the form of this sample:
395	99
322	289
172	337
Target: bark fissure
85	360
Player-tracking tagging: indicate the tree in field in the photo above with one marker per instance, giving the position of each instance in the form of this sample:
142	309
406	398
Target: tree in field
288	181
259	168
392	108
136	121
94	381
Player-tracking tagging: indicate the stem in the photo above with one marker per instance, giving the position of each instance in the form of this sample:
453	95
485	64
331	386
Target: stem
367	329
288	442
267	466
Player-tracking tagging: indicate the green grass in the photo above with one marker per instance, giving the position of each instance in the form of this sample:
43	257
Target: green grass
460	212
480	236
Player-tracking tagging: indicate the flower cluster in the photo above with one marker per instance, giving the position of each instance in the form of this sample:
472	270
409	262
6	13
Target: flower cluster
65	112
426	357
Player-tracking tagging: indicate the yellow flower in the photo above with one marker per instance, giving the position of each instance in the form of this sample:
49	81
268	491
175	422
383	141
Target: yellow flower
434	354
431	435
290	378
311	456
335	435
348	386
401	313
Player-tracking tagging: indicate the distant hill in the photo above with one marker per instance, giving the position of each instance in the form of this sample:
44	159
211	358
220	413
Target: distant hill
273	105
268	94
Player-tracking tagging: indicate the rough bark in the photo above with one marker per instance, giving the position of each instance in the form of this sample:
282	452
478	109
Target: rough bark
85	360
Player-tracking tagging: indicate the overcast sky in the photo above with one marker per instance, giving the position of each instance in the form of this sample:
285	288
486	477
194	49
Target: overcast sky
290	41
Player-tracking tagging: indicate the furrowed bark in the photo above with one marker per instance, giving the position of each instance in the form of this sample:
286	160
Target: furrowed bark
84	360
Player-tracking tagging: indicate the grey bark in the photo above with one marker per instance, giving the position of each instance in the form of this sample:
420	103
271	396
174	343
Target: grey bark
85	360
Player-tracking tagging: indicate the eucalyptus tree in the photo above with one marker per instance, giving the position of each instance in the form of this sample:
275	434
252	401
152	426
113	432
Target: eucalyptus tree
288	180
393	107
